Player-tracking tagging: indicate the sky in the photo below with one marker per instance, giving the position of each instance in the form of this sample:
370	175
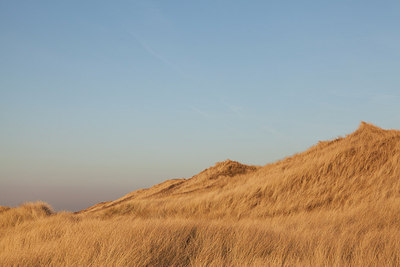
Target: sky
100	98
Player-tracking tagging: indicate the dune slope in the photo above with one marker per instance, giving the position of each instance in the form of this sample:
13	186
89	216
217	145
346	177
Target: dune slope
363	167
336	204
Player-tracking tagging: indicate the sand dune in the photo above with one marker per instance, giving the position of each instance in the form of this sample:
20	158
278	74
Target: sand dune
336	203
359	168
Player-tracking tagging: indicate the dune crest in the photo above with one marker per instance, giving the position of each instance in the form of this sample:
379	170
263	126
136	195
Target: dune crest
362	167
226	168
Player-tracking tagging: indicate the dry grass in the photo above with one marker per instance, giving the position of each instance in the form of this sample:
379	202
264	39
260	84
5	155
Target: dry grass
335	204
26	212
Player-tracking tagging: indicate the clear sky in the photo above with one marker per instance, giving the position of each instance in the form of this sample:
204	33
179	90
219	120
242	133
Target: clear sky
99	98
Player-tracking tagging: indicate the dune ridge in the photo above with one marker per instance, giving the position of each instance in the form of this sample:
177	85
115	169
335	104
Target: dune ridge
361	167
335	204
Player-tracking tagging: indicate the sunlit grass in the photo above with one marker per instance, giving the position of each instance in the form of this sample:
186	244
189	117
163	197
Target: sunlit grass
336	204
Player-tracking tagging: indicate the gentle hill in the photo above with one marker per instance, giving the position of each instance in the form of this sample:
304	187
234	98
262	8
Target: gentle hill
363	167
214	177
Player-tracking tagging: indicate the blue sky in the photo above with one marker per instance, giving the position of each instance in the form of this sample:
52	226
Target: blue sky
98	98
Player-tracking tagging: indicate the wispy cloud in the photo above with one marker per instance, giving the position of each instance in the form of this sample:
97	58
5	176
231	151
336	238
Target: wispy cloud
199	111
237	110
270	130
155	54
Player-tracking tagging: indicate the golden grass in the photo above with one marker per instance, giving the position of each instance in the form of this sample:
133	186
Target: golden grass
363	236
336	204
25	212
362	167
